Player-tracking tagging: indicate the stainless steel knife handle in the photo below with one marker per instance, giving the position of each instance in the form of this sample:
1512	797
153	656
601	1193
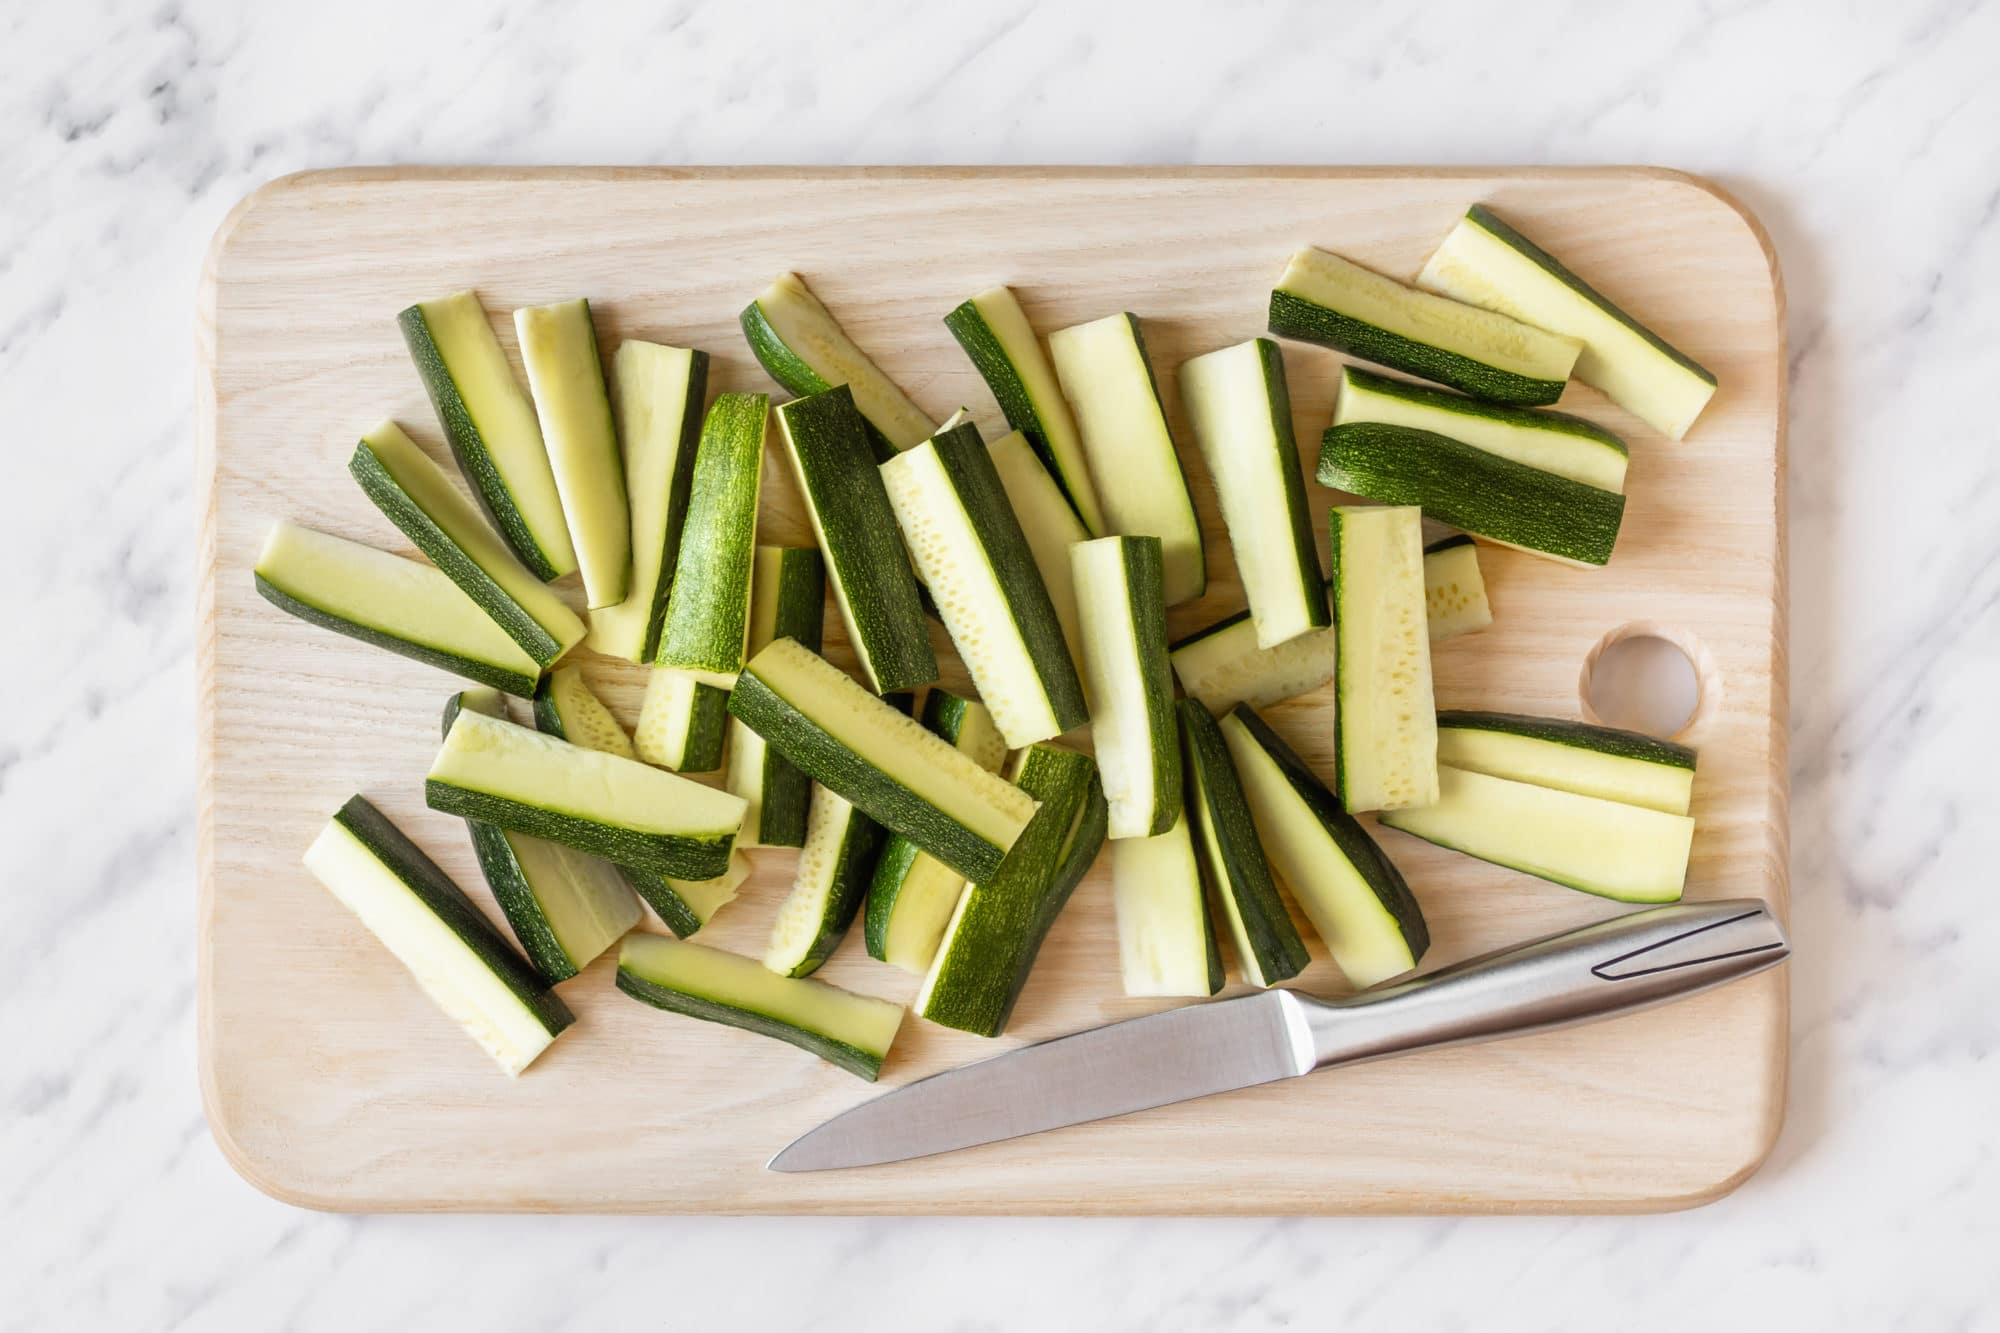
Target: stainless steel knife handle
1629	962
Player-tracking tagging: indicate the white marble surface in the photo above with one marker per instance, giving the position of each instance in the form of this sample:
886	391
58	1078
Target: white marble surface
1867	142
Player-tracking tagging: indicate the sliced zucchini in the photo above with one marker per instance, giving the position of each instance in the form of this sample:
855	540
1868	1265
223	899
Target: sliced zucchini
802	347
567	708
658	392
1608	848
912	893
1454	589
492	428
708	611
1468	488
974	557
682	722
1166	939
559	348
845	1029
1336	303
686	905
787	601
1536	437
995	333
416	495
436	932
856	529
393	603
565	908
1241	414
832	879
1109	382
1233	863
1384	721
998	927
1554	752
1487	263
885	762
1222	665
1131	683
1356	900
619	809
1050	525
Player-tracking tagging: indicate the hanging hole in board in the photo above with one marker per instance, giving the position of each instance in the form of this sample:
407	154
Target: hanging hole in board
1649	679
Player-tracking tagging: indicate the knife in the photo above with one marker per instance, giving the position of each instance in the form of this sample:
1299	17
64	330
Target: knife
1629	962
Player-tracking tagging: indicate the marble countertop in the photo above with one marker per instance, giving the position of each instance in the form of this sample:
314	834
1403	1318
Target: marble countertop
1867	146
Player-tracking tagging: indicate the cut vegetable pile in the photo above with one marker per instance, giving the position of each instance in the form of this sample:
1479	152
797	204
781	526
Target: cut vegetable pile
1053	559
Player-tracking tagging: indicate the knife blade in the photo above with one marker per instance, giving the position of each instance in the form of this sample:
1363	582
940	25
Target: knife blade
1627	963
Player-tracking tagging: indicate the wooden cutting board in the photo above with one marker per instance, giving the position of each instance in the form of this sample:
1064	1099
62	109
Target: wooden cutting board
330	1080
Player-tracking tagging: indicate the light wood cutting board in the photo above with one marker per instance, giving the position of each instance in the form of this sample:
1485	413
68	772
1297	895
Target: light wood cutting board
330	1080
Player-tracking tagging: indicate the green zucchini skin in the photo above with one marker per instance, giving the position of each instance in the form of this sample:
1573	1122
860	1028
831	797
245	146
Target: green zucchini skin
983	963
825	437
1294	317
485	673
797	378
678	855
1471	489
853	1059
1391	889
1487	219
785	793
1447	543
448	902
1444	400
706	730
468	447
853	866
708	611
1582	735
400	508
822	757
1219	809
944	716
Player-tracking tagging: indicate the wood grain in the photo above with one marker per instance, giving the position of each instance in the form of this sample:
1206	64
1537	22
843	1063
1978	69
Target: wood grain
331	1082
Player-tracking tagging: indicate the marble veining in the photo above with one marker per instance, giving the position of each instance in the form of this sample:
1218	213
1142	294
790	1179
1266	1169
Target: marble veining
1864	137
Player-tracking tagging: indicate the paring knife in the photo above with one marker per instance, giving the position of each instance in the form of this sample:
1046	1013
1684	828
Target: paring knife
1629	962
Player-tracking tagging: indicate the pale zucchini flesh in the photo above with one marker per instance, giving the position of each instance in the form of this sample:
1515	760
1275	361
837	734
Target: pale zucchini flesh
971	551
435	931
1132	727
854	524
1473	490
802	347
1385	723
996	335
1323	298
1554	442
885	762
620	809
828	888
787	601
911	893
1222	665
1166	939
491	426
1241	413
1604	762
851	1031
1232	858
565	908
381	599
1357	901
417	496
566	707
1487	263
1454	589
1608	848
1108	379
708	610
998	927
559	349
657	392
682	723
1050	525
